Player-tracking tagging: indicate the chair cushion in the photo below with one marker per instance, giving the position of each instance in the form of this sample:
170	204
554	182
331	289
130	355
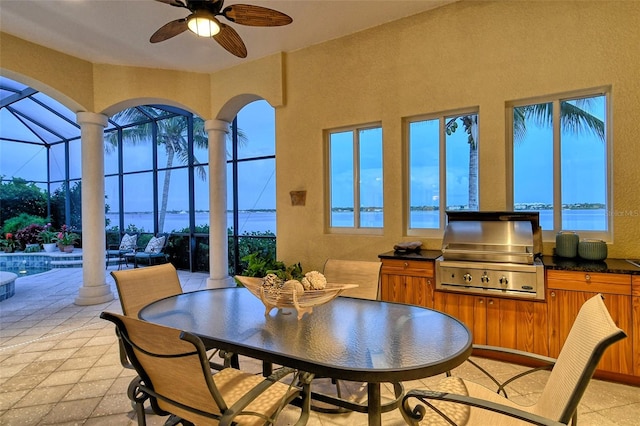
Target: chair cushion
459	413
128	242
155	245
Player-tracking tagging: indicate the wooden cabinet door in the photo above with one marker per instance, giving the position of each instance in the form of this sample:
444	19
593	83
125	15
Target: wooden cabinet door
419	291
517	324
392	287
635	327
471	310
563	307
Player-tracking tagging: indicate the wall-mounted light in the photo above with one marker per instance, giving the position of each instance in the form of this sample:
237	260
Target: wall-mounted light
203	23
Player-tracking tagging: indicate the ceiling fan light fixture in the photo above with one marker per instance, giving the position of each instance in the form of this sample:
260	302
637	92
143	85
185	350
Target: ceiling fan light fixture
203	23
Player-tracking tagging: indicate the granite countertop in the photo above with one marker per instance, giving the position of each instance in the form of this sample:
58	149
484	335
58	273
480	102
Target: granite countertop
412	255
609	266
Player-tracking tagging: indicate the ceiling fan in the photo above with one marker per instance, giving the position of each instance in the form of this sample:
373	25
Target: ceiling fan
203	22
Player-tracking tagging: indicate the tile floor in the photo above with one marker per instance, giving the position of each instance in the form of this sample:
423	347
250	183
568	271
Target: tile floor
59	365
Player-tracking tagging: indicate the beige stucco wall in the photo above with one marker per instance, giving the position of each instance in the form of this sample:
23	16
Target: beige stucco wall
468	54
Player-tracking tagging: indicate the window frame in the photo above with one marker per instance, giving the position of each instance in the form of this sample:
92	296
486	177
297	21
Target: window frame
442	167
555	100
356	228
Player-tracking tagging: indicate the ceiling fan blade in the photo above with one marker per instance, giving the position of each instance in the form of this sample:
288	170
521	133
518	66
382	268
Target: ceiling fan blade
230	40
176	3
169	30
256	16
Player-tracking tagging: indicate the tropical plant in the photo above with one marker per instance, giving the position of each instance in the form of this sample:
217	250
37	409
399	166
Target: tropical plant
8	243
172	134
66	236
21	221
29	234
573	118
67	211
17	197
47	235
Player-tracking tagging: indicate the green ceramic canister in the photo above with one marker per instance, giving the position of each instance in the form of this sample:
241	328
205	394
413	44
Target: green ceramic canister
567	244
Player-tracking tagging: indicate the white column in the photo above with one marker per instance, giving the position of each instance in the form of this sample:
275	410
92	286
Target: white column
218	245
94	289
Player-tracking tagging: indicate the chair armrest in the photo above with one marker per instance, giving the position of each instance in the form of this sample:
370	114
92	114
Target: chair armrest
413	416
523	354
547	364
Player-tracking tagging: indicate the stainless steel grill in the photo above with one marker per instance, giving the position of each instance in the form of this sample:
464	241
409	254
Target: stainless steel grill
492	253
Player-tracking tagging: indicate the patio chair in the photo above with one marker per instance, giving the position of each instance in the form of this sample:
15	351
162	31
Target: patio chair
174	376
365	274
128	244
460	402
154	252
139	287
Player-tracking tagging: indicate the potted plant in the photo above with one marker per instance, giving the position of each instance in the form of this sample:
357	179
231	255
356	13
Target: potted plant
66	239
8	243
48	237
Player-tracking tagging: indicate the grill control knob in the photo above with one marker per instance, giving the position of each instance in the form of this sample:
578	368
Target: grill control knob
484	278
467	278
504	281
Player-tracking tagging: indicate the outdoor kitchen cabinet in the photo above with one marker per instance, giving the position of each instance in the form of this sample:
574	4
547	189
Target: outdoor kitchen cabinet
568	290
407	281
635	301
497	321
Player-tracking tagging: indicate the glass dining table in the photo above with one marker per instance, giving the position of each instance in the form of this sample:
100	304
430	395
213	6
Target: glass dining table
345	339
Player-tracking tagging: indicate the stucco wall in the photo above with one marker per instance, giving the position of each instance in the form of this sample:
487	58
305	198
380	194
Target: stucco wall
465	54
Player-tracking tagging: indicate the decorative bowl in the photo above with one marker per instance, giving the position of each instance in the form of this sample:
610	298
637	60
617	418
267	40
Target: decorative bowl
592	249
302	302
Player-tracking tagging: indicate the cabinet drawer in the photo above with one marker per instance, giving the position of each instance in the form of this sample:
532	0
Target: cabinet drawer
407	267
589	281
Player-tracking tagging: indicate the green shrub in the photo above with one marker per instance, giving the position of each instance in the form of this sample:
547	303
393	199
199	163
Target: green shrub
21	221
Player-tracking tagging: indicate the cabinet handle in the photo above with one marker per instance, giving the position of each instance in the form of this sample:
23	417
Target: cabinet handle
481	301
429	282
587	278
406	264
553	294
491	302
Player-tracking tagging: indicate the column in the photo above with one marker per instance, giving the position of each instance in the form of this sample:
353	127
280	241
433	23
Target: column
218	245
94	289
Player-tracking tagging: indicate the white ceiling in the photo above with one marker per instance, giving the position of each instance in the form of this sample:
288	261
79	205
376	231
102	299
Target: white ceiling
118	31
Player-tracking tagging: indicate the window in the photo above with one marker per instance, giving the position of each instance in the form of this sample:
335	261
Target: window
433	141
355	178
560	161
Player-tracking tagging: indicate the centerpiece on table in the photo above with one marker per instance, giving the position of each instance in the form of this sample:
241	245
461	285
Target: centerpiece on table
290	288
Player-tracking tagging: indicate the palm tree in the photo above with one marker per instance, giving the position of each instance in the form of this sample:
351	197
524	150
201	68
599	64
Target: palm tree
573	118
172	134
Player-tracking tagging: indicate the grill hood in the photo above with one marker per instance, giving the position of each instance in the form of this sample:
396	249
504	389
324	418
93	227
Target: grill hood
510	237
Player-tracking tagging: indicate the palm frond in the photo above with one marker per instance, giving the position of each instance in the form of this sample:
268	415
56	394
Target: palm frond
577	120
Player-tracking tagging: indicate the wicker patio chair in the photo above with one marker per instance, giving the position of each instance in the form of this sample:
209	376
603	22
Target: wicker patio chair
174	375
365	274
139	287
460	402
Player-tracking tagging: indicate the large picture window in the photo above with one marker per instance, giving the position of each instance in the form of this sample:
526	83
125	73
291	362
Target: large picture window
560	161
442	160
355	178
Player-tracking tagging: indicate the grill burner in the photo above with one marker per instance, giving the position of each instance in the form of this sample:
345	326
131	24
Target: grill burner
492	253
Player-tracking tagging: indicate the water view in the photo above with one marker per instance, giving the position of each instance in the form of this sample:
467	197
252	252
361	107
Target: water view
263	221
